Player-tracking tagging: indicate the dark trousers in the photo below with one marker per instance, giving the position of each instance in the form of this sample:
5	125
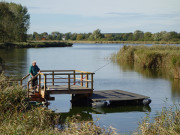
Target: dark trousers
34	83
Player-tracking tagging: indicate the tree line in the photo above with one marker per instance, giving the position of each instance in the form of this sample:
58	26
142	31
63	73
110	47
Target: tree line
96	35
14	22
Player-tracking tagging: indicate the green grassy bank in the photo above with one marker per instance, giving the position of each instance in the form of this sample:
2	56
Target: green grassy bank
18	117
166	57
34	44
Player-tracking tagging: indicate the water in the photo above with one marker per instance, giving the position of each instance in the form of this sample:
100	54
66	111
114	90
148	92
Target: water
90	57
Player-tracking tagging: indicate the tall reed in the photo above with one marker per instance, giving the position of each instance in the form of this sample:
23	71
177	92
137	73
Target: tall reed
151	57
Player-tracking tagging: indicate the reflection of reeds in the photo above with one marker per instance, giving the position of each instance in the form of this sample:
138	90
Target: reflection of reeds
166	123
18	117
153	57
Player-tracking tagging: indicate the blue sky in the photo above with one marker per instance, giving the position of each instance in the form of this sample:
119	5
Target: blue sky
110	16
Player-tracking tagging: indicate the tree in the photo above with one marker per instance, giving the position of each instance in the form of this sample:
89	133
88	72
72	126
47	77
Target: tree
96	35
148	36
79	37
14	22
138	35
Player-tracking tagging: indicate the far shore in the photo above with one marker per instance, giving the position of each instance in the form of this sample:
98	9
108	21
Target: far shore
35	44
112	42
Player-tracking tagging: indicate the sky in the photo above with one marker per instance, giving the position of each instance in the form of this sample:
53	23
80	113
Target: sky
110	16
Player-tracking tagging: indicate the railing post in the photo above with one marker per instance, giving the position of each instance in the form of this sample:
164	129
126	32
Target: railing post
74	77
82	79
69	85
87	83
45	83
53	78
39	83
92	81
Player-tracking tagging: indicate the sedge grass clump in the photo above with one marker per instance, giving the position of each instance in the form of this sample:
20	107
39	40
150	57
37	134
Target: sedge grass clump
12	97
167	122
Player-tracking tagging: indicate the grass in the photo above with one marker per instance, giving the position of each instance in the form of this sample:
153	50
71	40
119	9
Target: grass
167	122
166	57
34	44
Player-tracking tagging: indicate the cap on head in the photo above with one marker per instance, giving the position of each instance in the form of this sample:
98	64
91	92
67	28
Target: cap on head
33	62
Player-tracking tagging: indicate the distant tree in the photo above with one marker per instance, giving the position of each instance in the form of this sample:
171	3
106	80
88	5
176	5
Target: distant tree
36	36
138	35
156	36
148	36
79	37
96	35
67	36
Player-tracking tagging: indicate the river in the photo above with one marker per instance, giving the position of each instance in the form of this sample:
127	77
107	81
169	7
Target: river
90	57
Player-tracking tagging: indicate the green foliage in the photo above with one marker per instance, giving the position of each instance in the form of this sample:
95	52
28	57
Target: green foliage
98	37
14	22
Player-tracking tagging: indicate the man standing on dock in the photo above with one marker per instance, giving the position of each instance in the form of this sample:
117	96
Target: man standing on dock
33	70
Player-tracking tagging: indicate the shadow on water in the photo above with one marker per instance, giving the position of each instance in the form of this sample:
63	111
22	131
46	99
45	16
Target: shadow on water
154	74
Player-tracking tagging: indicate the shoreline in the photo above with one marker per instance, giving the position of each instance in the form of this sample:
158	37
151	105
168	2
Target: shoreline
35	44
125	42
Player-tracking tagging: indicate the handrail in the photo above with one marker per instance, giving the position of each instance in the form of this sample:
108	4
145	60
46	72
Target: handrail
46	77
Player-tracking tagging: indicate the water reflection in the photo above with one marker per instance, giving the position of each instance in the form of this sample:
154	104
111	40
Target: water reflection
154	74
15	61
85	113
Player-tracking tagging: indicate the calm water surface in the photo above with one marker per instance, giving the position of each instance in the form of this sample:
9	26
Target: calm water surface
90	57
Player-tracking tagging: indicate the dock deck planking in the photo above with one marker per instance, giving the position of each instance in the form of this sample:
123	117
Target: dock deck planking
115	95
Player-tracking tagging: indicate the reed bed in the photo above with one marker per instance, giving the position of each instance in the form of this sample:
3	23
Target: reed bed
20	118
167	122
151	57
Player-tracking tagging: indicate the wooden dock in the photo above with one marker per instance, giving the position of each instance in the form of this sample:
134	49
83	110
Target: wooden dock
80	85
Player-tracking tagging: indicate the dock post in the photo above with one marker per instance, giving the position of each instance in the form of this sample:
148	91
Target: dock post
69	81
92	80
39	84
82	79
87	83
44	86
74	72
53	78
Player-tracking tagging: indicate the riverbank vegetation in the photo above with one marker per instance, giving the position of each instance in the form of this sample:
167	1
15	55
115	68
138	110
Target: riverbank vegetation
166	57
34	44
96	36
167	122
19	117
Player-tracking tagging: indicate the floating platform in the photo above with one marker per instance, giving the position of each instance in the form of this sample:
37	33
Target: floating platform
118	97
